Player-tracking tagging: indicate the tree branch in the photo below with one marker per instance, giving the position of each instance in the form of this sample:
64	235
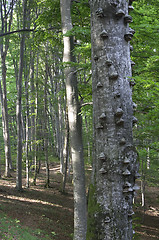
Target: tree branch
85	104
16	31
23	30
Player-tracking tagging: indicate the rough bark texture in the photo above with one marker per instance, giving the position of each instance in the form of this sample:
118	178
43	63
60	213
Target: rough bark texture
75	127
115	158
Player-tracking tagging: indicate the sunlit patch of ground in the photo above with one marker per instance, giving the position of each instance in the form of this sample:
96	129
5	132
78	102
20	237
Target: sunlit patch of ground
49	210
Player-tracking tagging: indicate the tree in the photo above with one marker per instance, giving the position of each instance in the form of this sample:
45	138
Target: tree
6	12
19	105
75	125
115	164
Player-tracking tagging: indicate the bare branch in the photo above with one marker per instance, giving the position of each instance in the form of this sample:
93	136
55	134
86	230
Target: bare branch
24	30
16	31
85	104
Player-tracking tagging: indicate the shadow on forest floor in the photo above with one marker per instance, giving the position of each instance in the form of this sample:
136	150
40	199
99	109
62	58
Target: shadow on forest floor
146	218
51	211
41	208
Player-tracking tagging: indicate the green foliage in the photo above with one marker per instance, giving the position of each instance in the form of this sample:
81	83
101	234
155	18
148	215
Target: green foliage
146	91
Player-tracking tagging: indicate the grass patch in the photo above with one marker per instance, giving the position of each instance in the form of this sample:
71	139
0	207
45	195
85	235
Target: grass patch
12	229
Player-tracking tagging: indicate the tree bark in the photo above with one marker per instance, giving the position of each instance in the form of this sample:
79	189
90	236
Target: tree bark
75	126
19	106
4	45
65	152
115	163
27	130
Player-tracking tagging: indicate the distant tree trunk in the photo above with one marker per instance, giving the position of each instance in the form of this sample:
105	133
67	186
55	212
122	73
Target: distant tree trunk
148	158
88	140
115	163
65	152
27	132
61	134
46	131
6	21
36	123
75	127
19	105
32	105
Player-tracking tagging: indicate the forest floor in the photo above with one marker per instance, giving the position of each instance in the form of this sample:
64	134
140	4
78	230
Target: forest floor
49	212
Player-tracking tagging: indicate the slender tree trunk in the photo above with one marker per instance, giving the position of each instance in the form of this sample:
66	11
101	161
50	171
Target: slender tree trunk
32	105
46	130
5	122
36	123
66	152
75	127
115	163
6	21
88	140
148	158
27	131
19	105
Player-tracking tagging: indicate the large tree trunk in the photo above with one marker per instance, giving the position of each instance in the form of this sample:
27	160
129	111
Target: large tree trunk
75	127
115	158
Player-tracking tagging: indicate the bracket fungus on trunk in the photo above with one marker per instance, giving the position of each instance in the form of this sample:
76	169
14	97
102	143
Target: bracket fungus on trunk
126	173
127	190
128	19
131	48
104	34
134	105
128	36
120	13
100	13
120	122
103	169
102	116
109	62
95	58
132	63
99	85
130	8
126	160
116	94
107	220
130	213
136	187
132	82
102	156
122	141
119	112
134	120
127	184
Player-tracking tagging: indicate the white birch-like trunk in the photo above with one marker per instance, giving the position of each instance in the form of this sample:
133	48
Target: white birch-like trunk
75	127
148	158
115	158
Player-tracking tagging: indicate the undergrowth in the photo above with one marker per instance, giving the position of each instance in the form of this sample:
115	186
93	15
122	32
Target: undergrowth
12	229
